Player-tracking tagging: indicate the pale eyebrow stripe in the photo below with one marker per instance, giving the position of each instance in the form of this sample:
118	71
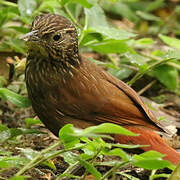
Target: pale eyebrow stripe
68	29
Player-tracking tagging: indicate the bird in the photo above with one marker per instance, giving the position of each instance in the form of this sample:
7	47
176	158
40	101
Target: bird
65	87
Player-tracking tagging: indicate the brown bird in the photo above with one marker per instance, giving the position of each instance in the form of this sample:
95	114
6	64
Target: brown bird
66	88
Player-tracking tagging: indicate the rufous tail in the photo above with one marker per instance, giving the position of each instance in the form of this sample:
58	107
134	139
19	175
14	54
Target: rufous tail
148	137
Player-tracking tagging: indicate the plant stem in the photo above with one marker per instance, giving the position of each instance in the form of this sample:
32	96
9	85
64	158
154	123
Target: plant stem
141	73
92	160
152	174
113	60
84	30
40	157
116	166
147	87
8	3
160	59
174	65
71	169
37	158
57	153
66	9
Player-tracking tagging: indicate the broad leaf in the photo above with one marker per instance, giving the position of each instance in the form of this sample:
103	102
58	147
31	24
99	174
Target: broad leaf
167	75
117	152
96	21
84	3
150	160
111	46
14	98
173	42
67	134
109	128
31	121
148	16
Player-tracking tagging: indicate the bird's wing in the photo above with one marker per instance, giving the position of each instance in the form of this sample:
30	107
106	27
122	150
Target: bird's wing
124	106
140	113
104	98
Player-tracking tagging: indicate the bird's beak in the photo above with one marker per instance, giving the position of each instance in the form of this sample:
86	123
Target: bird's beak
29	34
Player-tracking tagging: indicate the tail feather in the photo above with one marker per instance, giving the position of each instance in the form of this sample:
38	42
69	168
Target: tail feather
148	137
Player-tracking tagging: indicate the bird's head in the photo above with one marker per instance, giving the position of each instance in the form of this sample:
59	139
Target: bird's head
52	36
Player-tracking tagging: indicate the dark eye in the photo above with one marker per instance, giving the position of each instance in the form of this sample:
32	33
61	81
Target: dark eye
57	37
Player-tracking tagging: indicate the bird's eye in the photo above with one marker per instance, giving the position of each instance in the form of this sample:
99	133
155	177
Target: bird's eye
57	37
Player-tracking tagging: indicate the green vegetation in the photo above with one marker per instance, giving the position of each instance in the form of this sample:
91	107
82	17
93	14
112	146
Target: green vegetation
137	46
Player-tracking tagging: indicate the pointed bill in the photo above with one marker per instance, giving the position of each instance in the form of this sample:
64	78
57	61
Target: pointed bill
29	34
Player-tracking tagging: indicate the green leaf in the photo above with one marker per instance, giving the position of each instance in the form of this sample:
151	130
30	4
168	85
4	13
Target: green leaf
117	152
49	164
20	178
108	128
14	98
144	41
29	153
172	54
111	46
67	135
148	16
31	121
70	157
14	44
106	64
19	131
173	42
14	132
90	168
84	3
112	33
5	135
92	148
76	10
27	7
68	176
12	161
63	2
3	127
96	21
151	154
5	153
136	59
3	81
150	160
128	146
4	164
70	135
21	29
120	73
167	75
50	5
96	17
153	5
120	8
151	164
3	16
